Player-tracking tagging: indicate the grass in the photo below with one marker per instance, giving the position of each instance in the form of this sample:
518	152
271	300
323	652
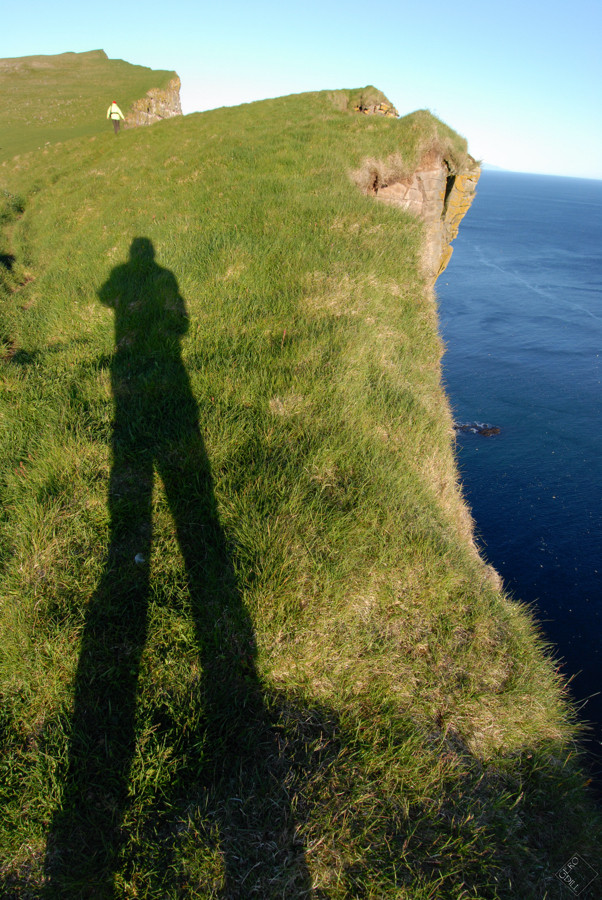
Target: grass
49	99
226	367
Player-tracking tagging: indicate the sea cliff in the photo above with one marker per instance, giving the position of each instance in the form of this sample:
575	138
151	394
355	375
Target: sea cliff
437	182
441	194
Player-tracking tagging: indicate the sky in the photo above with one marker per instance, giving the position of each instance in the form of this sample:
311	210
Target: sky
520	80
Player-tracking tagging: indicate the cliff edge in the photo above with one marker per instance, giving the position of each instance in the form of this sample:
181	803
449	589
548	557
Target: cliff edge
436	181
158	104
441	195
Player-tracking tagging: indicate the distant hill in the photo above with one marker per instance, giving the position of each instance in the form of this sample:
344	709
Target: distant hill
52	98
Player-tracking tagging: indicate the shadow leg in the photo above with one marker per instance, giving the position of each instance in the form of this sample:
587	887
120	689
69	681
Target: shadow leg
84	843
243	775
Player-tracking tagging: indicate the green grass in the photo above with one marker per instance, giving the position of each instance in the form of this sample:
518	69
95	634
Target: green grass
310	686
50	99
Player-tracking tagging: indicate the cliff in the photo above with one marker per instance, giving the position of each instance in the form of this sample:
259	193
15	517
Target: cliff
434	179
156	105
440	194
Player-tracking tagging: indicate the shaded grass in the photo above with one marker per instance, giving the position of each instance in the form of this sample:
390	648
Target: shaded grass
414	739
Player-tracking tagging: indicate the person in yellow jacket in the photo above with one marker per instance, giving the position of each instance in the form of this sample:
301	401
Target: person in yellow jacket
114	113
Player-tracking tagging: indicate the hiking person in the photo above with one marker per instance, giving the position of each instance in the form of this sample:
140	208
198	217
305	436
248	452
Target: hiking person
114	113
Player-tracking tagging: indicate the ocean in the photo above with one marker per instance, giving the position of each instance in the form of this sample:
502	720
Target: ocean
520	309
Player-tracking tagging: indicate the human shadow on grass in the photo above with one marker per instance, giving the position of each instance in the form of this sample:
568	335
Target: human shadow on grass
232	765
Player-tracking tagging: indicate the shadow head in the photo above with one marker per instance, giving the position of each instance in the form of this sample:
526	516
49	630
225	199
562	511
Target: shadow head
142	251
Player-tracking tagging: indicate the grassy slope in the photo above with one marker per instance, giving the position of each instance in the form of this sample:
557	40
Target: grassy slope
53	98
398	729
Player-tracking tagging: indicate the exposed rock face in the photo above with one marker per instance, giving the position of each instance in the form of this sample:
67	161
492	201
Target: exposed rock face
369	101
158	104
441	198
376	109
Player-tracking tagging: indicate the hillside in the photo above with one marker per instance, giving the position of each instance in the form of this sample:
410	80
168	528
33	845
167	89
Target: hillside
53	98
247	647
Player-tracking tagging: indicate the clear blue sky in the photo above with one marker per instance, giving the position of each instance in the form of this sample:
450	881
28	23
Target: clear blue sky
522	81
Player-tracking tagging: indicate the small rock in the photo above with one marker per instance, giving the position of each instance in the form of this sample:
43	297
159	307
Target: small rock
477	428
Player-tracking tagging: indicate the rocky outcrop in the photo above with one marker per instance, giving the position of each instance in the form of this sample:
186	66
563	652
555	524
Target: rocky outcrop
440	193
369	101
375	107
477	428
159	103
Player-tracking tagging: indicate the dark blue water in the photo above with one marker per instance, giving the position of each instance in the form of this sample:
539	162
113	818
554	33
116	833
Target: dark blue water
521	317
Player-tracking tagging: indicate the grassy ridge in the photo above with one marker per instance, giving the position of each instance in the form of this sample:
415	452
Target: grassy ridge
54	98
309	685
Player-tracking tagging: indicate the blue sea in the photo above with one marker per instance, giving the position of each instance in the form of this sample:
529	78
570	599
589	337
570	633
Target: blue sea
520	307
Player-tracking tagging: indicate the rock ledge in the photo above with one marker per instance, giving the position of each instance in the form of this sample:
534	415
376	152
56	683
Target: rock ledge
159	103
438	195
